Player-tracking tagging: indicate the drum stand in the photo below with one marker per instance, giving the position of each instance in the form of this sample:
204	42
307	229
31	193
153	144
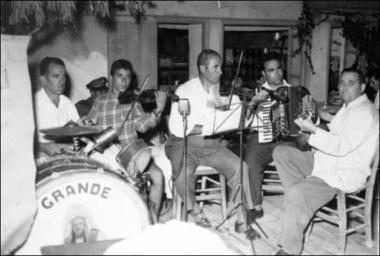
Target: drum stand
251	233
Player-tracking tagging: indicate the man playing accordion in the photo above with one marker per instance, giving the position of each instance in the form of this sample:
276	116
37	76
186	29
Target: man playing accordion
260	143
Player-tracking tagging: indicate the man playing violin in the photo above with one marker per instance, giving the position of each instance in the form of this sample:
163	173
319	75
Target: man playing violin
109	112
202	92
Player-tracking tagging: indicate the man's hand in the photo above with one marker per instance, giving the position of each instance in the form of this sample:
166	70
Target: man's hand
160	101
306	125
85	121
197	129
52	149
311	108
237	83
259	97
325	115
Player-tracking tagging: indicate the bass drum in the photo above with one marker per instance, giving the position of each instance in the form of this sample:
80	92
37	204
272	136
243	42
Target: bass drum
80	200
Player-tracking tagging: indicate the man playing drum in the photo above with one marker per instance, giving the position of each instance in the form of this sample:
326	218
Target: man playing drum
52	108
107	111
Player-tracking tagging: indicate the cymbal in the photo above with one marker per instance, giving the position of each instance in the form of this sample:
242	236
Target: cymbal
72	129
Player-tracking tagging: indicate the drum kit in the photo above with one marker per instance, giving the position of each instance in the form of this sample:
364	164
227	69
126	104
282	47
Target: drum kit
109	200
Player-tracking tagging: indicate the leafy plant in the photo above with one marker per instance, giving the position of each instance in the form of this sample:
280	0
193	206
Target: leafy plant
26	17
361	29
306	23
363	32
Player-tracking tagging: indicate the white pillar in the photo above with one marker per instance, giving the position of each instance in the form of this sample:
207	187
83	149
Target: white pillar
195	47
320	56
215	35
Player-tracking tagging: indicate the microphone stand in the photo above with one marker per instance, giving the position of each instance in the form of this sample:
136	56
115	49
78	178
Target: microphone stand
184	118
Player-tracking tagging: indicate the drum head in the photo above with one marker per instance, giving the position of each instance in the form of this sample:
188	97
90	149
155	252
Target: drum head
80	201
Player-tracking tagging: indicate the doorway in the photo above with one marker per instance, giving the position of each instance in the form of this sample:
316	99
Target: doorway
256	42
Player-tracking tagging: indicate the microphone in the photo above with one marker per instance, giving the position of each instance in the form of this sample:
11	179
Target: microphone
184	107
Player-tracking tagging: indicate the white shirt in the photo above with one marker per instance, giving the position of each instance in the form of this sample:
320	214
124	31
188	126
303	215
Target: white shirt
202	110
50	116
344	153
257	122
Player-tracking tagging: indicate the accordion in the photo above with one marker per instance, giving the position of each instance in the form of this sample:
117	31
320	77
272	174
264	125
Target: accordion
280	110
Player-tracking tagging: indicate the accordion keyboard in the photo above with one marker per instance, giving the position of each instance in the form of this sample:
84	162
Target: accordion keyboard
265	131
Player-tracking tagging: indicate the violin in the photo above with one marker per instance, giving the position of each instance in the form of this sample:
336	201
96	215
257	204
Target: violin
145	97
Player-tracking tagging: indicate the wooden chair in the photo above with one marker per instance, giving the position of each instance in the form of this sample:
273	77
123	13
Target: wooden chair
356	206
208	188
271	180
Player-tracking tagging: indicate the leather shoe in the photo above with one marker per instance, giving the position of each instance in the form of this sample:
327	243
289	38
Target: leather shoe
203	222
250	233
253	214
282	252
239	227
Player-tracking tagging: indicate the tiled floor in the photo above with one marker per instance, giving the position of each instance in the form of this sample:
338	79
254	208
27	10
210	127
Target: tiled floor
322	240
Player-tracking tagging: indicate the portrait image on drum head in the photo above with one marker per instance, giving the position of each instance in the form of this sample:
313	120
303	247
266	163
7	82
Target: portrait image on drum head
81	201
79	226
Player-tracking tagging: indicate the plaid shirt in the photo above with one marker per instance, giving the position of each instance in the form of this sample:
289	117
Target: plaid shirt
107	111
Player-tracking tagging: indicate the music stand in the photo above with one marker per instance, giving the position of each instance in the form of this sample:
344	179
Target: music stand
251	233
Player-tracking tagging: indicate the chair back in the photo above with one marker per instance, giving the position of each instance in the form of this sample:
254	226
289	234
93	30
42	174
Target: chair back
374	169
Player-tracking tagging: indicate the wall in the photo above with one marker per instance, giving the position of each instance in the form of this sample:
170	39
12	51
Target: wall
90	55
18	171
278	10
85	57
209	16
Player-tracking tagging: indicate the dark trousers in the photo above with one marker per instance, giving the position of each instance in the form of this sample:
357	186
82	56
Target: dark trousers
258	156
207	152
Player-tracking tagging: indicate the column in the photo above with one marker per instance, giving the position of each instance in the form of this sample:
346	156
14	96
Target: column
320	55
195	47
215	35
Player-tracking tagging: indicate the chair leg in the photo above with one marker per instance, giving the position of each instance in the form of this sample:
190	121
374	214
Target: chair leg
174	207
342	222
368	223
223	188
309	230
203	188
178	208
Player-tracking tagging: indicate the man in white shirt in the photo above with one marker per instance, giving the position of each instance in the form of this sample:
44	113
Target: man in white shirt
52	108
203	95
341	159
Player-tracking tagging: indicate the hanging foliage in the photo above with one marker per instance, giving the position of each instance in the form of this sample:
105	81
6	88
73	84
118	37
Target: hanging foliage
25	17
363	32
305	25
361	29
305	28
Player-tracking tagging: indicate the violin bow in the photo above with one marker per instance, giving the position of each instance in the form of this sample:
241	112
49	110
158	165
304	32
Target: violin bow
145	82
233	81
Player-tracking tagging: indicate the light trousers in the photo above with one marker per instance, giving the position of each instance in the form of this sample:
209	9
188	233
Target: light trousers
304	194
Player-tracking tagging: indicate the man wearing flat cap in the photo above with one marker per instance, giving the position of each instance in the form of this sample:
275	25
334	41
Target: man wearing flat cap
96	87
